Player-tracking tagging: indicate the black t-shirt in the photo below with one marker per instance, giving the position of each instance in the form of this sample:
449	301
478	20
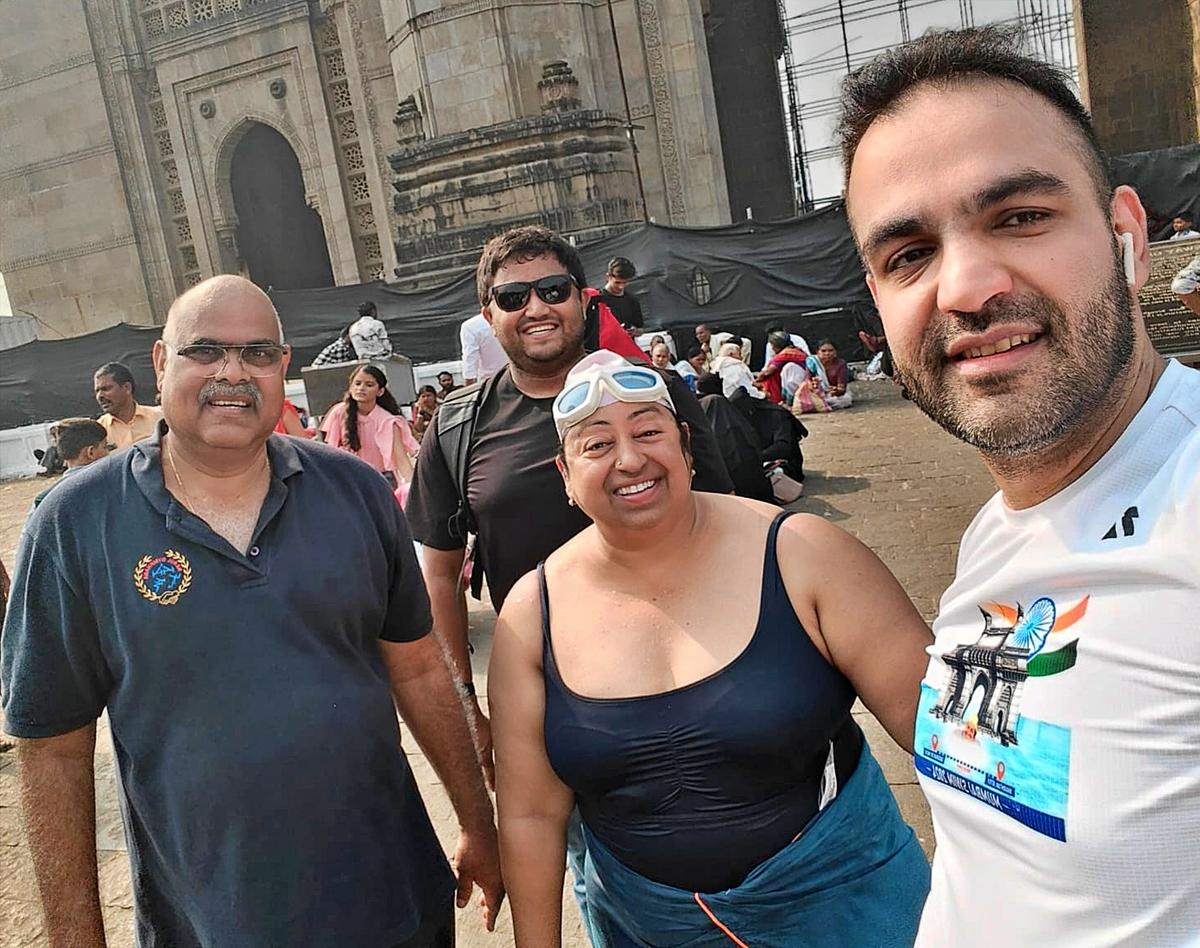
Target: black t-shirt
513	488
625	307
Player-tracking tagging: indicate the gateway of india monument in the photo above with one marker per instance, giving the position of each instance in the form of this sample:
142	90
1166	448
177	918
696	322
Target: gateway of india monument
149	144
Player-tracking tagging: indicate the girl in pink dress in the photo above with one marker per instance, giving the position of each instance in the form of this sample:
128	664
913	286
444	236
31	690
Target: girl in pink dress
367	422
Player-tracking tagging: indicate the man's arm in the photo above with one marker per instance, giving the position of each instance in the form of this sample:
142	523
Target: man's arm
448	604
430	704
58	798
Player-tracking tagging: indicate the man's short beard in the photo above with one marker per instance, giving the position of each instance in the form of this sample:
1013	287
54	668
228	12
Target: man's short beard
1089	351
566	356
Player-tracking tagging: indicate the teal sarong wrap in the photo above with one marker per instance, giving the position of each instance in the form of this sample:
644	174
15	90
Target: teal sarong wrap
854	878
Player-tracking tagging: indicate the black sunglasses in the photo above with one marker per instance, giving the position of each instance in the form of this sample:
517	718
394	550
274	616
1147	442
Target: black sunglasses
551	290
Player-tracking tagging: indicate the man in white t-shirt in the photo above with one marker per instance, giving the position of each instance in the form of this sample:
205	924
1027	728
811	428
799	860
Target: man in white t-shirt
1058	732
482	354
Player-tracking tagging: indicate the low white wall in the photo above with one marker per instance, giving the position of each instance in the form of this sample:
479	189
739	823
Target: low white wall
17	446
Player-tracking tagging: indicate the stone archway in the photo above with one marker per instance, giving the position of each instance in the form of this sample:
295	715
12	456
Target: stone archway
280	239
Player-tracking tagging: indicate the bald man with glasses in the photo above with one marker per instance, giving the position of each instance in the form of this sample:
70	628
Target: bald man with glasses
253	708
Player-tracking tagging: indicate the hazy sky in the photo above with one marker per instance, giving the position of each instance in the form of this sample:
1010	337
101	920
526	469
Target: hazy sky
819	53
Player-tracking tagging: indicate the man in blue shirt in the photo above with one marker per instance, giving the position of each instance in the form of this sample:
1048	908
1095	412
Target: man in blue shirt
249	610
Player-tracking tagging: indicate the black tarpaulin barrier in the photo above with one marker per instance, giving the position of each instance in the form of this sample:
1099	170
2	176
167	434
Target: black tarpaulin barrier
48	380
1167	181
749	275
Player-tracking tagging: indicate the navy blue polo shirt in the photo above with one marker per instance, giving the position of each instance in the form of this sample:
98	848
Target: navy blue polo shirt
266	798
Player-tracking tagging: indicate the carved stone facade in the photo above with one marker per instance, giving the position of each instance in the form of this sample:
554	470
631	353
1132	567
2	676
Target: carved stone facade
512	111
420	127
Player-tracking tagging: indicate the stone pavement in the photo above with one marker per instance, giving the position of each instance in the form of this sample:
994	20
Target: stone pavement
879	470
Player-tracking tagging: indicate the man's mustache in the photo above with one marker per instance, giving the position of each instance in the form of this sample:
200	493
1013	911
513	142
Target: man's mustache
213	390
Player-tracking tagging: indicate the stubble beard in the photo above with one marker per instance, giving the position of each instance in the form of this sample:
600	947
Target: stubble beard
1087	353
550	361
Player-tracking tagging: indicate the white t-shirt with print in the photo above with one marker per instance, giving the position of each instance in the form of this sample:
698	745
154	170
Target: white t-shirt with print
1058	734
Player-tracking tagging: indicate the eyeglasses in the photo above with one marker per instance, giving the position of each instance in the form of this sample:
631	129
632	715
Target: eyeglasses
258	359
551	290
628	383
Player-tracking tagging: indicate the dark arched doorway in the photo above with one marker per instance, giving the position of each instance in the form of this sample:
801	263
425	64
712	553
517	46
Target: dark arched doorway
279	236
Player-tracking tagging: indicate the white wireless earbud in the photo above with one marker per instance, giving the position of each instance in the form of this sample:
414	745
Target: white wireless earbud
1127	258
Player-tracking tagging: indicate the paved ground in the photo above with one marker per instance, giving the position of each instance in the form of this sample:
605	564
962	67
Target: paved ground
879	470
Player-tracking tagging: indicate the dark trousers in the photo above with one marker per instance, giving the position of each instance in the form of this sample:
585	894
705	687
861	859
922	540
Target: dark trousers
437	931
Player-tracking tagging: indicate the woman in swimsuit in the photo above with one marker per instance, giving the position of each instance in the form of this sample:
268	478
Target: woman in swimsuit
726	793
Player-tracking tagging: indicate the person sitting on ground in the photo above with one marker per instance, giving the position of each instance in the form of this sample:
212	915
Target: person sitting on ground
797	340
81	441
125	420
427	400
691	366
337	352
704	339
446	381
779	431
367	422
660	356
832	373
1183	225
739	442
50	460
342	349
719	339
369	337
420	421
290	422
725	788
733	371
771	377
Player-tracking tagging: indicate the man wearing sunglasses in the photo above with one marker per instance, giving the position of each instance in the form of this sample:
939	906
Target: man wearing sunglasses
529	281
253	711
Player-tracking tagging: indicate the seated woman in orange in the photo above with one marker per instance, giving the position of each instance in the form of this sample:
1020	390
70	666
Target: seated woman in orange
367	422
726	792
289	421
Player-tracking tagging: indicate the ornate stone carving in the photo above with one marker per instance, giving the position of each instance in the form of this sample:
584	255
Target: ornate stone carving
409	127
277	88
231	255
572	171
664	113
208	109
559	88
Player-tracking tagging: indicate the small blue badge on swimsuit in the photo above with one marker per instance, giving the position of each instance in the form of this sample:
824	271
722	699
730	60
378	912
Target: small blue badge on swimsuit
163	578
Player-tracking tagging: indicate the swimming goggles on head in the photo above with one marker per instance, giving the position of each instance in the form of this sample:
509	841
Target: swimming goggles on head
604	382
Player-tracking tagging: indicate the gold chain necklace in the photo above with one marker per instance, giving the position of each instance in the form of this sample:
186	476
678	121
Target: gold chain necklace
187	500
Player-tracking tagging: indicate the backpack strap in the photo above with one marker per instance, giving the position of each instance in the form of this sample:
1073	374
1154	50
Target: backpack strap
456	430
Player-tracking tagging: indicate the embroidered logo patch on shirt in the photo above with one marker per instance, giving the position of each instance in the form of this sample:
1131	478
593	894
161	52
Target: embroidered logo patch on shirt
971	735
163	578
